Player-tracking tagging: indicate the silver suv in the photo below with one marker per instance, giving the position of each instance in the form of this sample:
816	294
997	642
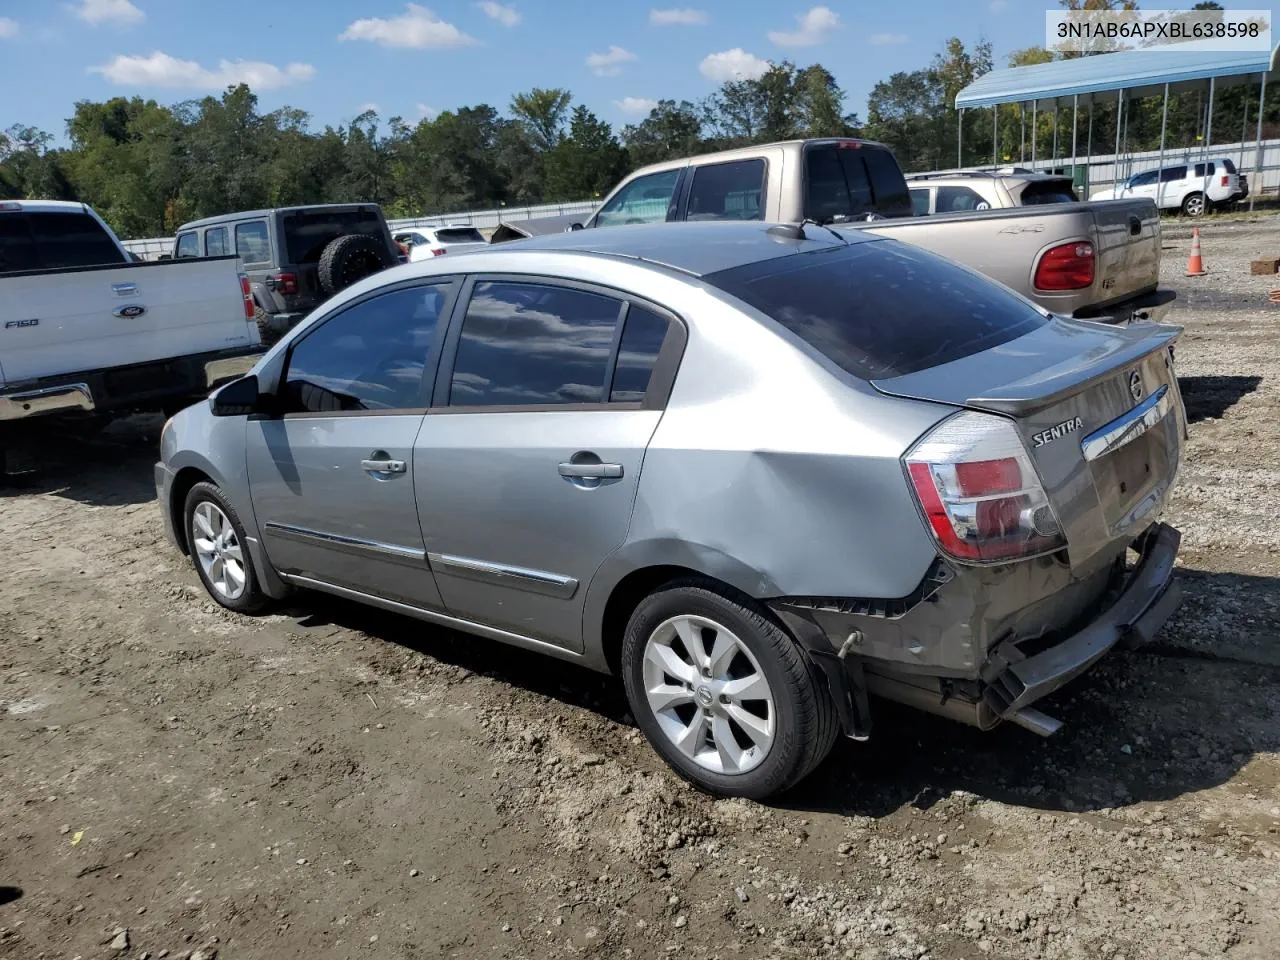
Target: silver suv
762	472
986	190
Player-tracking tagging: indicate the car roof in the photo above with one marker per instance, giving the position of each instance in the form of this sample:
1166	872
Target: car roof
259	214
43	206
698	249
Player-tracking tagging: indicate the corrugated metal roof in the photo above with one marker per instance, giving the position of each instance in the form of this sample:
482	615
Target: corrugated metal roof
1141	72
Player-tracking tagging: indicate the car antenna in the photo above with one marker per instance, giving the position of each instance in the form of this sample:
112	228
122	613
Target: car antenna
839	236
795	231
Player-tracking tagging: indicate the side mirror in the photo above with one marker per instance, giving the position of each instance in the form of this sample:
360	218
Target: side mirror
575	226
237	399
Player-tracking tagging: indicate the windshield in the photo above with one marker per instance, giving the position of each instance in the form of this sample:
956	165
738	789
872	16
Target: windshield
880	308
459	235
307	234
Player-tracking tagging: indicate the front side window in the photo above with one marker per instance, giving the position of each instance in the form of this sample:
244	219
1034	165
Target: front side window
727	191
643	200
1143	179
642	337
188	245
881	309
528	344
371	356
252	243
215	242
953	199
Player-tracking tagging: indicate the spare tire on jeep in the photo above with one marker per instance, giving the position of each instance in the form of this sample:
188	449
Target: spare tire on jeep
350	258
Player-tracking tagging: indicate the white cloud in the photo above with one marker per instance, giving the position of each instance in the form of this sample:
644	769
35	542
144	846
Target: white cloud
735	64
886	39
162	70
998	6
507	16
8	28
427	113
635	104
813	27
609	64
417	28
120	12
684	17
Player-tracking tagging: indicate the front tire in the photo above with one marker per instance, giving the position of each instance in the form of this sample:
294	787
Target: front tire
220	550
723	693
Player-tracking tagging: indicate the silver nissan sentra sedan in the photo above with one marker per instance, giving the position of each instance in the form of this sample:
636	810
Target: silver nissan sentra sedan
764	473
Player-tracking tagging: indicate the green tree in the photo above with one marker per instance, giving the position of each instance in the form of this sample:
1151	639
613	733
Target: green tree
542	112
670	130
587	163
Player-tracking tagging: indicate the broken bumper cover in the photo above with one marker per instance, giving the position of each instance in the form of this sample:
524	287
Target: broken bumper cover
1013	682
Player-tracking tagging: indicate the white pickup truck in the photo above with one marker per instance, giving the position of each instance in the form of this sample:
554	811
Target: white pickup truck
88	333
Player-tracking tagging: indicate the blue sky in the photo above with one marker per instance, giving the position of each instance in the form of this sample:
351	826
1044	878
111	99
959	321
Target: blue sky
334	58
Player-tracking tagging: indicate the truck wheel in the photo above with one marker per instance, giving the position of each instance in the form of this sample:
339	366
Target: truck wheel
263	320
219	550
1193	204
350	258
723	693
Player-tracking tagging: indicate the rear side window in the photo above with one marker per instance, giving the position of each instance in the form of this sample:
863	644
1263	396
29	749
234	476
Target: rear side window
953	199
188	245
307	234
847	182
252	243
642	337
881	309
215	242
66	240
1173	173
727	191
371	356
920	202
1229	166
17	246
1057	191
643	200
527	344
459	235
1204	169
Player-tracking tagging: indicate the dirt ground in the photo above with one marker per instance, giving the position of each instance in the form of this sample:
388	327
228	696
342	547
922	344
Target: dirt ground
327	781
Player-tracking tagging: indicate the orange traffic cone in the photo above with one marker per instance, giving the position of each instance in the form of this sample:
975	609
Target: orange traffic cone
1195	265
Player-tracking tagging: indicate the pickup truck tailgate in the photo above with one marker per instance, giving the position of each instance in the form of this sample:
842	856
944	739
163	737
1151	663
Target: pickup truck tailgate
94	318
1100	414
1128	248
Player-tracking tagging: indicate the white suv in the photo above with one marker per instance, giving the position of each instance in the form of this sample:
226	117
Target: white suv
427	242
1185	186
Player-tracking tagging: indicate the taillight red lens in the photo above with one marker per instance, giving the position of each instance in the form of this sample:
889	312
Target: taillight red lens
286	283
1226	181
981	496
1068	266
246	293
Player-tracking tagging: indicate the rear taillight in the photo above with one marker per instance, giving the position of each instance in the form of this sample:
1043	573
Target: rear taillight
286	283
1068	266
980	493
246	293
1226	180
439	252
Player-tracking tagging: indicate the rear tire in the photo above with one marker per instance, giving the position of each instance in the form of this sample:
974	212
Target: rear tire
263	320
351	258
220	551
1193	205
748	714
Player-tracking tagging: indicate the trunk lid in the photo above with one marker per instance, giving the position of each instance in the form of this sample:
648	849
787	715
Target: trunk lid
1099	411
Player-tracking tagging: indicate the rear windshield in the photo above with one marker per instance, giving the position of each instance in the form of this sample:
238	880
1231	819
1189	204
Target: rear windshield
307	234
880	308
1050	191
459	235
1229	166
846	182
54	241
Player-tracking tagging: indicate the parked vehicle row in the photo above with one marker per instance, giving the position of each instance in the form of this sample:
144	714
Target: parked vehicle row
88	332
933	193
700	456
1192	188
424	242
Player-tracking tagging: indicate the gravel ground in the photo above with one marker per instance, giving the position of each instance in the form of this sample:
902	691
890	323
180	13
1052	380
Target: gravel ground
327	781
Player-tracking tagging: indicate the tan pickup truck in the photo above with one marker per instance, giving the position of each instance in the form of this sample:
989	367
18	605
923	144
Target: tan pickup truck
1092	260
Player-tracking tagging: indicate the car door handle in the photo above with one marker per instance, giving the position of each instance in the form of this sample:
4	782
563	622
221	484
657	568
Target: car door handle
591	471
382	466
124	289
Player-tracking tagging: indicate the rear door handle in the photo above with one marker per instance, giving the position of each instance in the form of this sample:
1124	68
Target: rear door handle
591	471
383	466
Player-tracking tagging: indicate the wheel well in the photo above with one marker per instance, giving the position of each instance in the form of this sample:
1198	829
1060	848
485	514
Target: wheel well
624	599
187	478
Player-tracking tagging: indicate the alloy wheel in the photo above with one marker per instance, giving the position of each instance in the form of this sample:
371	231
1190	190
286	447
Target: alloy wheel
218	550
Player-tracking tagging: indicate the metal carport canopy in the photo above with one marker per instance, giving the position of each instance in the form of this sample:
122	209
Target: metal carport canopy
1139	73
